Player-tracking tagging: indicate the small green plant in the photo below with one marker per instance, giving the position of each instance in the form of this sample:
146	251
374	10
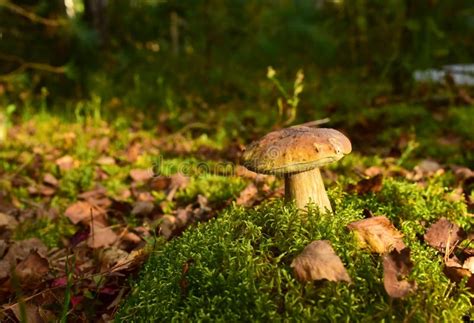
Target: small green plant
5	121
288	104
89	110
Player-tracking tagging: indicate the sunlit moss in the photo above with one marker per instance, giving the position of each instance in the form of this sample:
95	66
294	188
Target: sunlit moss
239	265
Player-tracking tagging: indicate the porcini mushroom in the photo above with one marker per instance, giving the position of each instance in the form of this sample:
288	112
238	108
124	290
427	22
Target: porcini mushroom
297	153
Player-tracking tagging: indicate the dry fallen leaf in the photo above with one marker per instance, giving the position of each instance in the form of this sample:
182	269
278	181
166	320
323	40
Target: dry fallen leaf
83	211
469	264
101	236
133	151
141	175
32	269
19	251
203	211
31	313
49	179
100	145
168	225
248	195
7	222
378	234
106	160
372	185
3	247
66	163
443	235
426	168
160	183
142	208
242	171
455	271
97	197
111	256
396	266
178	181
132	261
373	171
318	261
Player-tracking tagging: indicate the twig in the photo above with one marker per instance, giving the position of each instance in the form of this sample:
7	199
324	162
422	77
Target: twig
31	15
314	123
26	65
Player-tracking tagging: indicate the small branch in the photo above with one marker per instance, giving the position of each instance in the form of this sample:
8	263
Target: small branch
314	123
30	15
26	65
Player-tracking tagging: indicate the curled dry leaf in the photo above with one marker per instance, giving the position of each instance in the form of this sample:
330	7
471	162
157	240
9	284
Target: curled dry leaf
378	234
469	264
396	266
443	235
111	256
369	185
132	261
318	261
457	272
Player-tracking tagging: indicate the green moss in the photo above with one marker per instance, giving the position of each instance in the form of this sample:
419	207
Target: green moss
47	230
77	180
239	265
216	188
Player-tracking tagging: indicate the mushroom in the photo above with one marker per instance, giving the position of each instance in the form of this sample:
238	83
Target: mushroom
296	153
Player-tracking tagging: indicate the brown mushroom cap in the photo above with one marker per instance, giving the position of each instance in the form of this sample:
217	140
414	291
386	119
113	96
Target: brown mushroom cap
296	149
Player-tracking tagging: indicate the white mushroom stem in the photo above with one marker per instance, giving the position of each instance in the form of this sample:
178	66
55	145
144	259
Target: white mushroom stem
306	187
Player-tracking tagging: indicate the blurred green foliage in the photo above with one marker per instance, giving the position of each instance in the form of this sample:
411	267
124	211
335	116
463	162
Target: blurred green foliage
166	55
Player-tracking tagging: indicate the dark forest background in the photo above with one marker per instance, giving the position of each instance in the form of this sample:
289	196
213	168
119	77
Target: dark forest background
189	57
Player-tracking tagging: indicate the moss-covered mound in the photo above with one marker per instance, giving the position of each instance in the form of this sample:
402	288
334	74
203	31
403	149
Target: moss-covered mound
237	266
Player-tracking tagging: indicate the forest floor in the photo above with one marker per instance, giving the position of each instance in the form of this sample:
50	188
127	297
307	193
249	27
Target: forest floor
84	203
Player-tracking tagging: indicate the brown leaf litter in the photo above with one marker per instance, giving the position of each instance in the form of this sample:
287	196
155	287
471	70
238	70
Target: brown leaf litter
396	267
318	261
443	235
377	234
368	185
